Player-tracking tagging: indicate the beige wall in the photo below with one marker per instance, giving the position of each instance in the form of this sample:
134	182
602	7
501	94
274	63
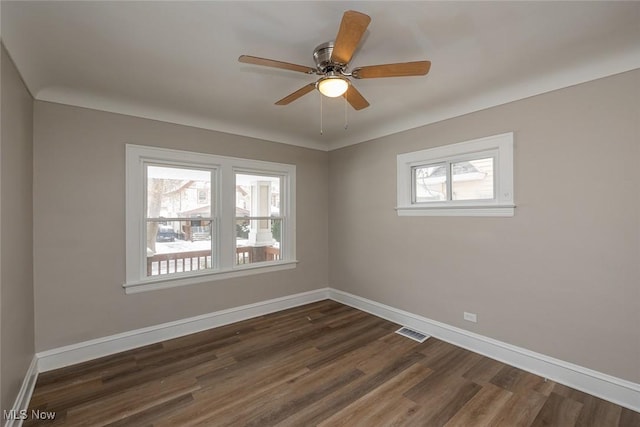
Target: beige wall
562	277
79	223
16	238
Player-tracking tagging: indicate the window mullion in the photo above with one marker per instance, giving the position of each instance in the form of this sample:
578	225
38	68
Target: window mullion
413	185
227	217
284	237
214	197
449	181
142	273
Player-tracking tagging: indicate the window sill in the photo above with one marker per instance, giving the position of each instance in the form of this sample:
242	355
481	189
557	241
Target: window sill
156	283
487	210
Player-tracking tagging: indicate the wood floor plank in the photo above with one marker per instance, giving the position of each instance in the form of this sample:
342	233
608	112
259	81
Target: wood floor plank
88	370
558	411
321	364
323	409
383	351
215	404
447	376
441	397
246	380
520	410
347	333
48	396
374	407
331	354
231	391
455	362
516	380
274	403
484	371
155	413
449	403
296	401
597	412
629	418
250	369
482	408
346	318
132	402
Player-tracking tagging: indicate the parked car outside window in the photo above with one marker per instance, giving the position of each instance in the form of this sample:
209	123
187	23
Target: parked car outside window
165	234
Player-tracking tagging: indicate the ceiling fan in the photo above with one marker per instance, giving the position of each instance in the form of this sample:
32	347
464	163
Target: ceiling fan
332	63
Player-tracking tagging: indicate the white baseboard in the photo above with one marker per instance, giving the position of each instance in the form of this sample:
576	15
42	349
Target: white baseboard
621	392
93	349
24	395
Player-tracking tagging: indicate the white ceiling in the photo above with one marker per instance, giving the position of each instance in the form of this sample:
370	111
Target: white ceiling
177	61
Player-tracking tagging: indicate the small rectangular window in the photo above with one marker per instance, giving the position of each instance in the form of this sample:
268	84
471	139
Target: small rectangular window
472	178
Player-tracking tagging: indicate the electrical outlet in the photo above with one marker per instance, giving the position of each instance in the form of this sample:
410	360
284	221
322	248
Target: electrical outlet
470	317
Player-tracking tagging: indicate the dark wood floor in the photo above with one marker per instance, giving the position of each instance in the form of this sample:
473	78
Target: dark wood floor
321	364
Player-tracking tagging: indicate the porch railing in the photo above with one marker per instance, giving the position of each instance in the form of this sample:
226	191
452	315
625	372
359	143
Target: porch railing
250	254
178	262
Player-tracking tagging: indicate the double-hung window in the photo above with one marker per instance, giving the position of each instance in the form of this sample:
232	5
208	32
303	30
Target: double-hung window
471	178
180	229
258	217
194	217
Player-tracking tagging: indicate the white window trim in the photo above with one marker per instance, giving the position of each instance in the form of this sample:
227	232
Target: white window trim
500	147
225	168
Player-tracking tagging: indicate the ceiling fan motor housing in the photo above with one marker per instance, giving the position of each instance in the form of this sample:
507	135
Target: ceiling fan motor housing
322	57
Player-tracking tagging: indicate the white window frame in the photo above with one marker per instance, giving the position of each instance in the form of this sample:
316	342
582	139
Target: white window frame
223	197
499	147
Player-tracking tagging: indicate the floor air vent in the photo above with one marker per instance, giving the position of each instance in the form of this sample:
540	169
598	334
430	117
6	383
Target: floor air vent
410	333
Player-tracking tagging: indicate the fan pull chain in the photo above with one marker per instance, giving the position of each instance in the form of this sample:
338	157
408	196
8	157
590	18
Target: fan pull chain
346	119
320	114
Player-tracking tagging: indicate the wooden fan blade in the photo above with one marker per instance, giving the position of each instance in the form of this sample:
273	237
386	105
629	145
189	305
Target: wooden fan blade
275	64
352	28
403	69
355	98
297	94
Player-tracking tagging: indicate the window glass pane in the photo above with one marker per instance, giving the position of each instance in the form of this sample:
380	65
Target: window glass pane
257	195
258	226
178	193
258	240
472	180
430	183
178	246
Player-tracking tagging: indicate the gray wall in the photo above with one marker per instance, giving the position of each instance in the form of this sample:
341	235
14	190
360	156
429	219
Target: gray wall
16	236
79	223
562	277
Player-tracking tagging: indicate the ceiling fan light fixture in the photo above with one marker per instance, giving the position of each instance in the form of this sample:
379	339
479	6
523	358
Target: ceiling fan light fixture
333	86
